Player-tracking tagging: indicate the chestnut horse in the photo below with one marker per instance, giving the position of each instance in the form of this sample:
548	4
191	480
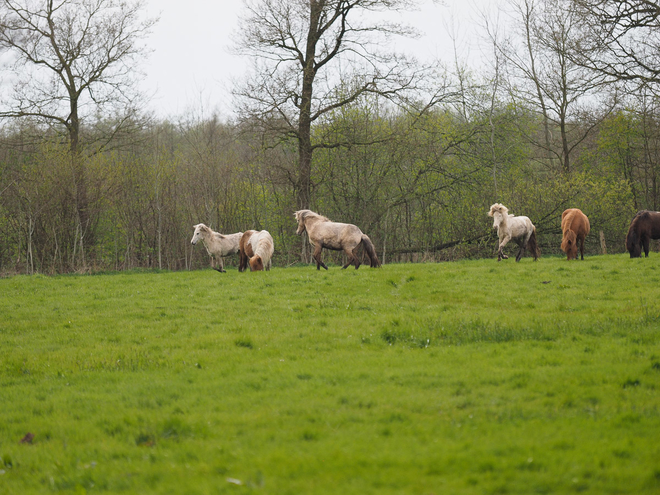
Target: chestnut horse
256	248
520	229
575	227
644	227
323	233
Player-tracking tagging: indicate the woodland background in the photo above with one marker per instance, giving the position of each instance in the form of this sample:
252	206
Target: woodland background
565	115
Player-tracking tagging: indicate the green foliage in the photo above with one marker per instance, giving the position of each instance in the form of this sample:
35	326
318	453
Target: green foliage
474	376
608	203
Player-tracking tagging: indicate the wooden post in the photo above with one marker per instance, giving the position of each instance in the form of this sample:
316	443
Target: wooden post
603	247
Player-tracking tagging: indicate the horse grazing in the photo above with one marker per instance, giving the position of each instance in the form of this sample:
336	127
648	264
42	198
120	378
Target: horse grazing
575	227
256	249
323	233
520	229
645	226
216	244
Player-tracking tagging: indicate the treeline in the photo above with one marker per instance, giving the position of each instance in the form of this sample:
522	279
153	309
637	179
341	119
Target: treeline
420	188
566	115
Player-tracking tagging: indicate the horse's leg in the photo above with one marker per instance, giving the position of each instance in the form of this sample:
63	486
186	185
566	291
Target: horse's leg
357	260
581	249
500	253
222	266
352	258
317	256
645	242
521	251
244	261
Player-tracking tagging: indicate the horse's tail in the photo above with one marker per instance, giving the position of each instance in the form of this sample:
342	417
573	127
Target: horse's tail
371	251
533	246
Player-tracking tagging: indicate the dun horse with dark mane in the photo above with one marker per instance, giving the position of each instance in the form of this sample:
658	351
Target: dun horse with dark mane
575	227
644	227
345	237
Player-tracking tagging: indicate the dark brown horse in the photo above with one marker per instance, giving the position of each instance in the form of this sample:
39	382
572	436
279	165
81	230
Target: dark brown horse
644	227
575	227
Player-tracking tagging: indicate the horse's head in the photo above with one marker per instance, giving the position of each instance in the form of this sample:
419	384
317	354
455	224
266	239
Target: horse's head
499	212
256	264
569	245
633	240
197	235
300	218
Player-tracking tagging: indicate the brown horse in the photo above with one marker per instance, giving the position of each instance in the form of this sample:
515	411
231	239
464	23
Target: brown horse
256	248
575	227
345	237
644	227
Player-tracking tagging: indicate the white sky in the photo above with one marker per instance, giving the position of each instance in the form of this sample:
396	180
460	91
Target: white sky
191	67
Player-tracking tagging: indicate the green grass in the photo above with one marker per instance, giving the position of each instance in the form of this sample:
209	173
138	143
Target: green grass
467	377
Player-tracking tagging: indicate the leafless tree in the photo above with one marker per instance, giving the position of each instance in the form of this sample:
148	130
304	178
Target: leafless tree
312	57
621	39
69	60
543	76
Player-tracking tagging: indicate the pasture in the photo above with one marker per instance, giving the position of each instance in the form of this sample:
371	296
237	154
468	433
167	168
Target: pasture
473	377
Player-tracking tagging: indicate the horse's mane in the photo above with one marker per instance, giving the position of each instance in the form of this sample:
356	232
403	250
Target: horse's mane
303	214
633	236
499	208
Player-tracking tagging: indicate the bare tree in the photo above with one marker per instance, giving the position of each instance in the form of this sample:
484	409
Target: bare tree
70	60
312	57
543	76
621	39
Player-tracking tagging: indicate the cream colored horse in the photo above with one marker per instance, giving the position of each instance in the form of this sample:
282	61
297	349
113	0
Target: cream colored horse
520	229
256	249
216	244
323	233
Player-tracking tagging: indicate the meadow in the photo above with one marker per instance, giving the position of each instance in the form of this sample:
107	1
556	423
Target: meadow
470	377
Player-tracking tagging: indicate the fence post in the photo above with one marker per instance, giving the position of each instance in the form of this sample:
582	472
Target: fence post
603	247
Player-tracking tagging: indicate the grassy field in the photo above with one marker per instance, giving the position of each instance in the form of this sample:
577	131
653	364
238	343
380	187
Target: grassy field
458	378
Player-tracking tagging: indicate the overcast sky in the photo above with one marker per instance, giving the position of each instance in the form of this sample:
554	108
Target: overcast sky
191	67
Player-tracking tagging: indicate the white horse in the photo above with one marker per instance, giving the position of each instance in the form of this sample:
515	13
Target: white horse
520	229
256	248
216	244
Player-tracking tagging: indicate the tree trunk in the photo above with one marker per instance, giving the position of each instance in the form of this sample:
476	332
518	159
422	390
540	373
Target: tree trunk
305	116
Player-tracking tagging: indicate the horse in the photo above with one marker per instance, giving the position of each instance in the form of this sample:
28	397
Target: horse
644	226
575	227
216	244
323	233
256	249
520	229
